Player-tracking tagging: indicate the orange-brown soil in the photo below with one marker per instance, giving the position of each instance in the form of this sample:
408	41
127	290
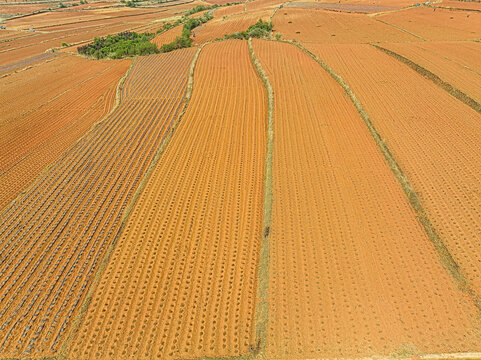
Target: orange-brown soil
464	5
397	3
181	282
436	24
54	237
218	27
351	8
319	26
53	112
433	136
168	36
74	29
352	272
229	10
437	59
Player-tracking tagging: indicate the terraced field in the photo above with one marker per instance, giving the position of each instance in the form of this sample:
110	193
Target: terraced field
441	24
440	158
168	36
312	195
38	128
352	273
71	31
319	26
463	73
181	280
54	237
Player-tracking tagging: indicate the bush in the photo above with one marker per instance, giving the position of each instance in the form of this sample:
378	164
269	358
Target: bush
64	44
61	5
184	40
119	46
259	30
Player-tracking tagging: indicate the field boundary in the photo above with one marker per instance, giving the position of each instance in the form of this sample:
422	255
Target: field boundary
399	28
425	73
446	259
93	127
62	353
262	310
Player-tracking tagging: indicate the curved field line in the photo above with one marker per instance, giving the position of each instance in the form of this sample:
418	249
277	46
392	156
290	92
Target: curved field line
262	311
77	322
458	94
442	251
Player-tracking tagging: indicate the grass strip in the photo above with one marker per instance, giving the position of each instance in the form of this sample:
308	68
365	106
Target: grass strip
458	94
262	310
443	253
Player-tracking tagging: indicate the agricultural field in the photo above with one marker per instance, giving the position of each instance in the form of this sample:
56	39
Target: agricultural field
320	191
54	236
218	27
253	180
449	185
211	222
464	73
37	128
320	26
436	24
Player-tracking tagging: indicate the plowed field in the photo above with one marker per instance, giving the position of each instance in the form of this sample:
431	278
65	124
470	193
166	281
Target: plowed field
73	31
433	136
437	60
229	10
217	28
352	273
464	5
441	24
167	36
53	238
319	26
35	129
181	282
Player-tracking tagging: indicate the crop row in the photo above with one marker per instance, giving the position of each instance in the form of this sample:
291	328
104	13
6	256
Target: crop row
40	136
352	272
52	239
433	136
181	282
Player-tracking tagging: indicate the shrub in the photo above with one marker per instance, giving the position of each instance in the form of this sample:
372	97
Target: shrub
184	40
261	29
61	5
119	46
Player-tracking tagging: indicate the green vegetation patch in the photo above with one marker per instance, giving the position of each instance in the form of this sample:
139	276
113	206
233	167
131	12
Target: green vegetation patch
121	45
200	8
184	40
260	30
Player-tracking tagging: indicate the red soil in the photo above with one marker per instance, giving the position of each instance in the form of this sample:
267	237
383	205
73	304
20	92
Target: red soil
218	27
167	36
39	126
352	273
181	282
319	26
433	136
441	24
437	58
54	237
